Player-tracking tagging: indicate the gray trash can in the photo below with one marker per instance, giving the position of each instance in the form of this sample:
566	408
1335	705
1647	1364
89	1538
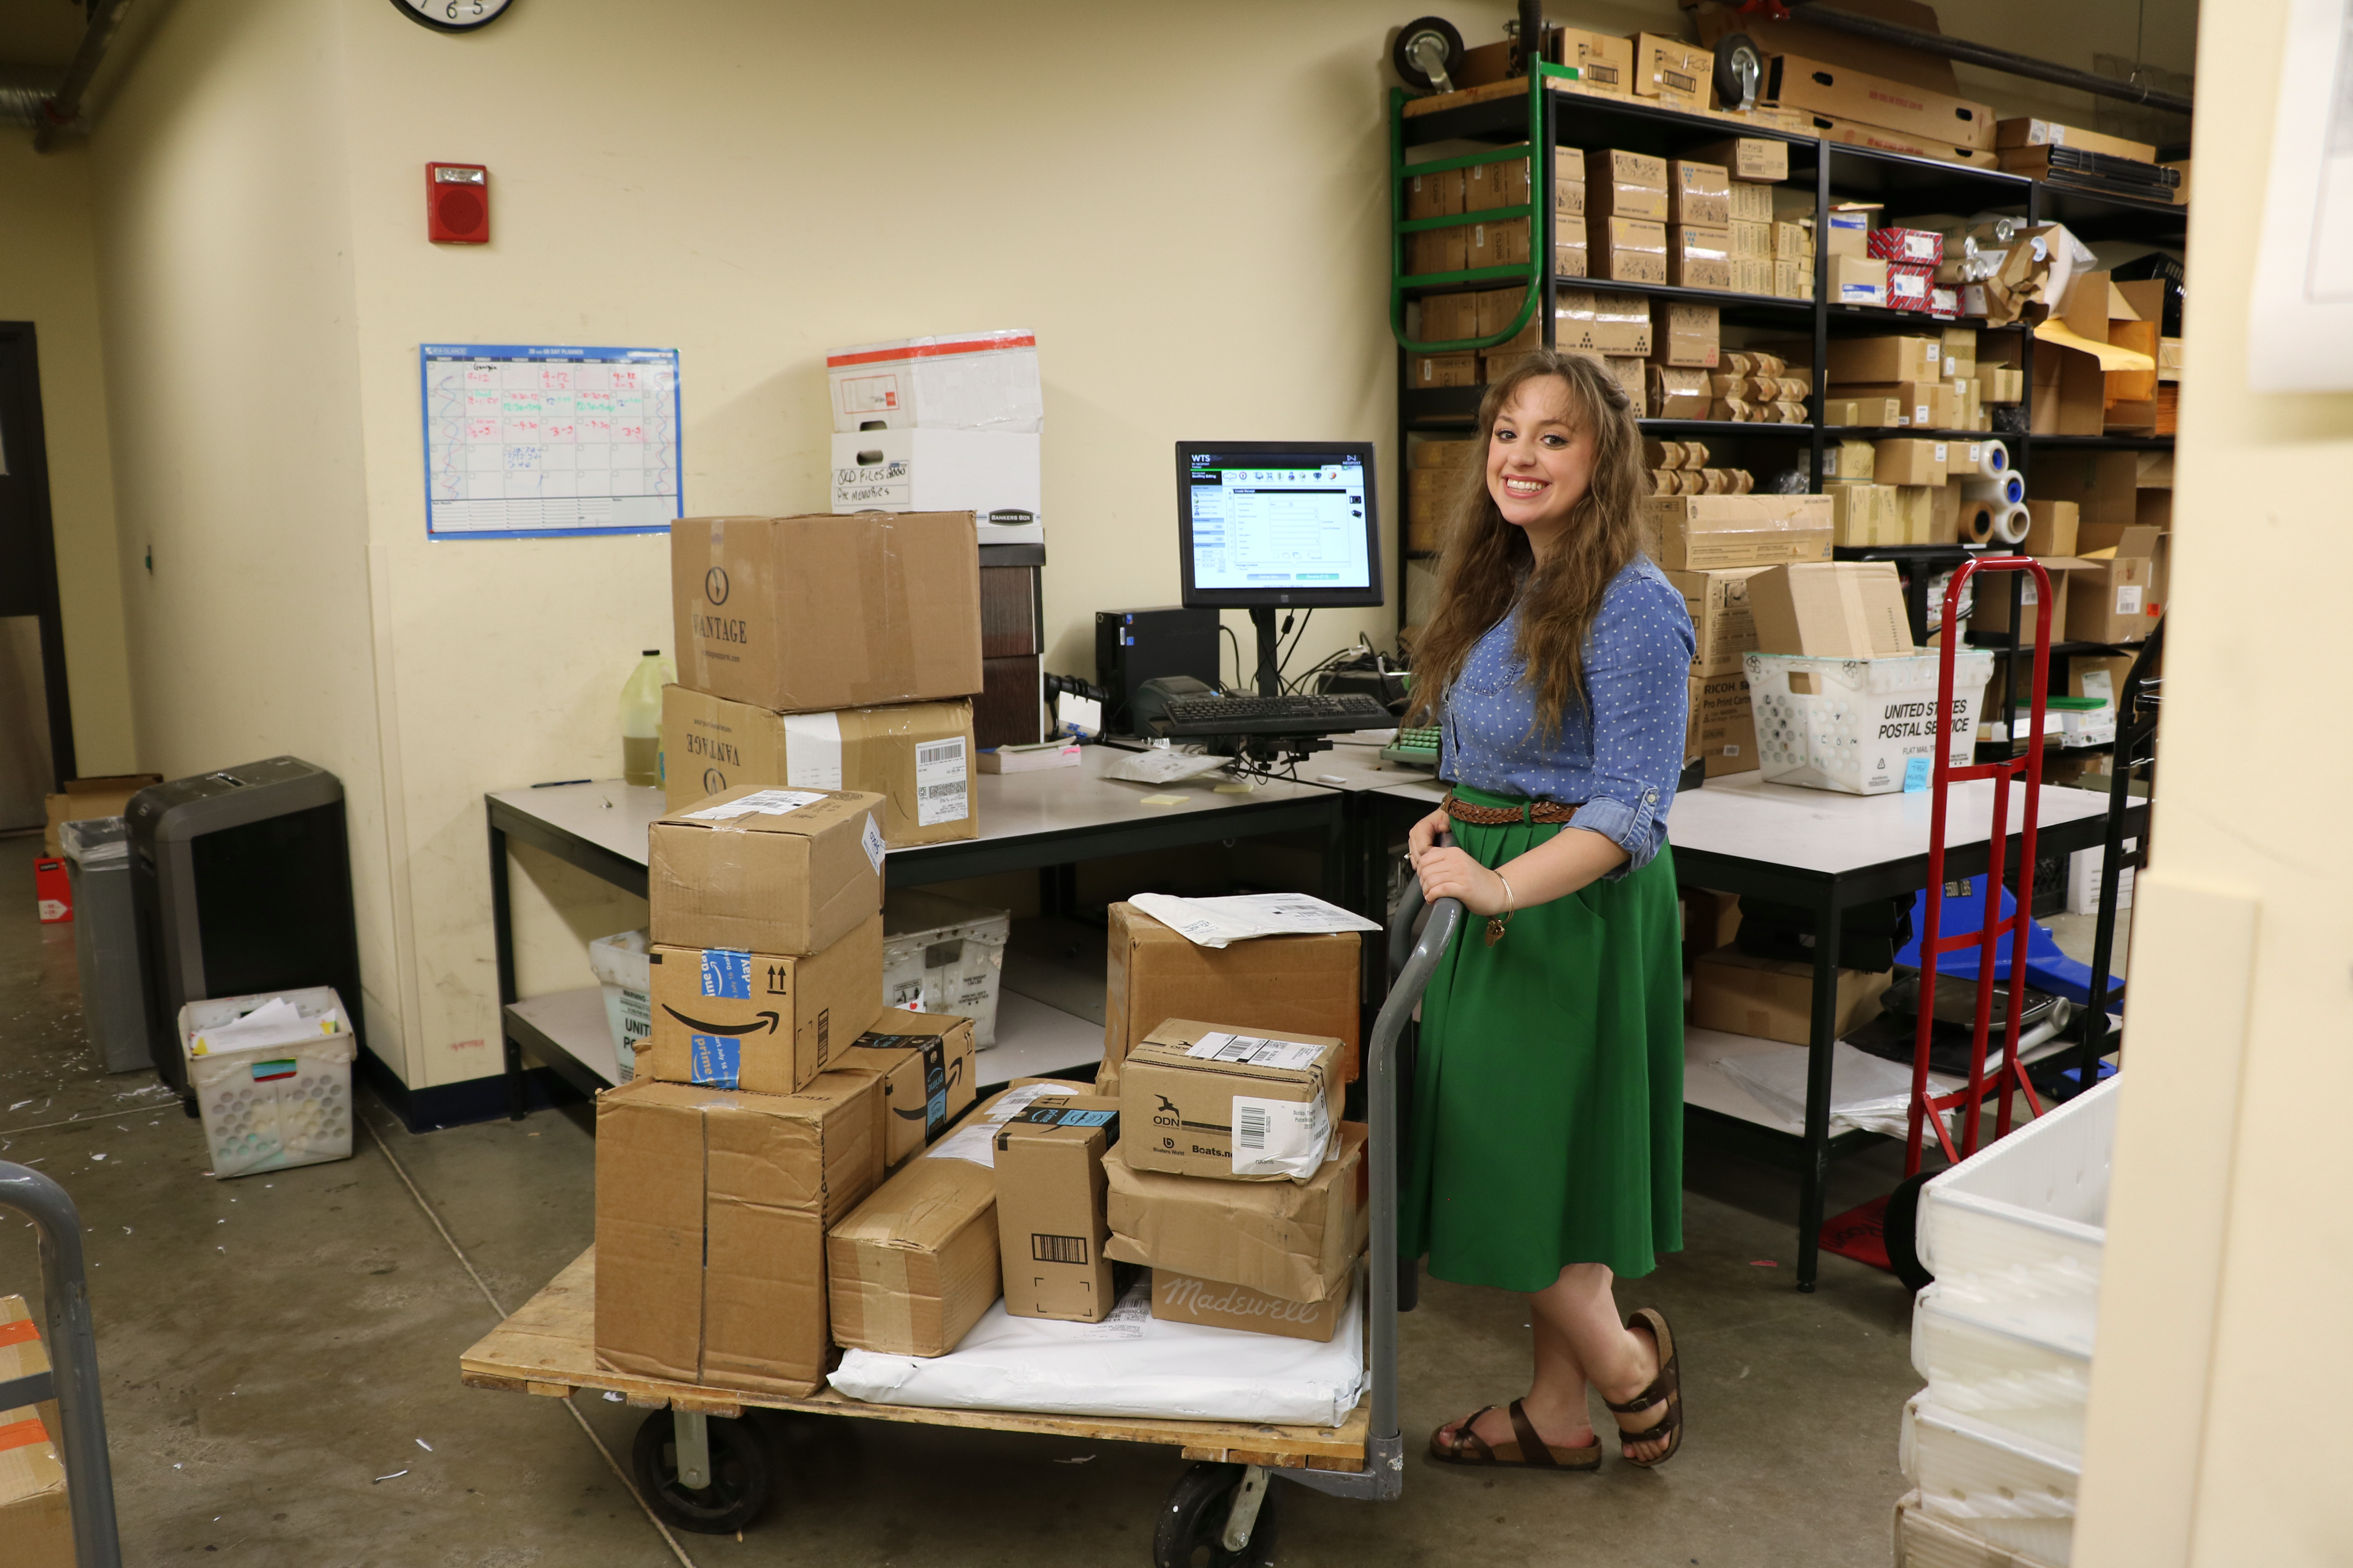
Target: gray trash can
106	941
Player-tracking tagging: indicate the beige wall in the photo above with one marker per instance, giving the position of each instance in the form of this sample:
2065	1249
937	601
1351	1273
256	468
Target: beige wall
2224	1367
47	278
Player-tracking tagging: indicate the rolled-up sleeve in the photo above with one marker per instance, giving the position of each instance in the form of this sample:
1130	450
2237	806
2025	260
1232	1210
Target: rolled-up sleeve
1637	673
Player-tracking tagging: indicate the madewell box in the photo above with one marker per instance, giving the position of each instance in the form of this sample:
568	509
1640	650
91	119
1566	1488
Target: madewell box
766	870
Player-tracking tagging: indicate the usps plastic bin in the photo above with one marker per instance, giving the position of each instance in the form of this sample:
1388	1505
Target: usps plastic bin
945	955
269	1106
626	975
2005	1489
1860	726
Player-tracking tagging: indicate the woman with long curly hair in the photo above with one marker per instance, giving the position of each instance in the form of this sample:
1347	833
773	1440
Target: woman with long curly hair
1545	1155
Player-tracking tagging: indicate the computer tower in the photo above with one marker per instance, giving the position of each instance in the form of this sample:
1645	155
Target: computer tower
241	880
1132	646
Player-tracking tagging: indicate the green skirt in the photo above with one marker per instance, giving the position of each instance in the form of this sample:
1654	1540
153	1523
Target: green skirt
1546	1121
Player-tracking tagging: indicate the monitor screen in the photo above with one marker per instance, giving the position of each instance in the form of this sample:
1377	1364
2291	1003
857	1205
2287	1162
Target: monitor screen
1276	522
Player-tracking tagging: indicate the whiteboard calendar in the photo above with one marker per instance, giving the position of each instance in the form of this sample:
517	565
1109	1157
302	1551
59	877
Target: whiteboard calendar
523	441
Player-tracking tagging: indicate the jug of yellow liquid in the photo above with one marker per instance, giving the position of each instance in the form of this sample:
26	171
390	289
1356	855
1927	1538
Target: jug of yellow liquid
641	702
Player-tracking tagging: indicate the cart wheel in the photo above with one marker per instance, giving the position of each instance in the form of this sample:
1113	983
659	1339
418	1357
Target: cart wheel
1194	1520
1901	1228
1425	43
741	1475
1739	71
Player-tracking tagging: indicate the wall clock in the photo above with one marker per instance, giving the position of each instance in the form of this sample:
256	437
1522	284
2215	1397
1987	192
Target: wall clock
452	15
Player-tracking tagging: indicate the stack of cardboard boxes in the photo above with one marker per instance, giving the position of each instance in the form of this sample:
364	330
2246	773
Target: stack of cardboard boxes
828	653
1923	489
35	1518
1934	379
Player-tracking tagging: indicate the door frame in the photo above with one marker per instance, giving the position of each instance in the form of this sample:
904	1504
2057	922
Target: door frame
20	383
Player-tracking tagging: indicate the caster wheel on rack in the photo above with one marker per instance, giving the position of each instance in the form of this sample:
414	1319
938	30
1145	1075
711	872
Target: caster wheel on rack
1900	1227
741	1475
1427	52
1193	1523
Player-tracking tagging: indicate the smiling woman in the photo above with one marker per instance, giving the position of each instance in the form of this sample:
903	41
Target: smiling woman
1546	1148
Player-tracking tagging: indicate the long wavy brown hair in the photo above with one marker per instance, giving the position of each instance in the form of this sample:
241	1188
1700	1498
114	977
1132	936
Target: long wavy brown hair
1484	562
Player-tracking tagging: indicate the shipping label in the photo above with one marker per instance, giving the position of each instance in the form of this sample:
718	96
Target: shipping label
759	803
871	842
1281	1137
941	787
1254	1051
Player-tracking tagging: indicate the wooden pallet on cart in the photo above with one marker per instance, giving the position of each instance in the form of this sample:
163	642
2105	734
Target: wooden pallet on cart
547	1347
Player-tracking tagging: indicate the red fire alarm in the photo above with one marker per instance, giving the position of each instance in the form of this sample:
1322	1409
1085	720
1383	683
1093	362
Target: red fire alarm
457	204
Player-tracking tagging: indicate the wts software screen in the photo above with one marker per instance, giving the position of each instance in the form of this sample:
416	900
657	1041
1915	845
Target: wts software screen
1270	521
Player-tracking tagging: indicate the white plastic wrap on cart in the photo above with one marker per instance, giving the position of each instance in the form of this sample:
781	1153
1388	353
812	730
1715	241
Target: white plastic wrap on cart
1131	1364
1860	726
943	955
2026	1217
2016	1493
2028	1384
626	973
1867	1092
284	1099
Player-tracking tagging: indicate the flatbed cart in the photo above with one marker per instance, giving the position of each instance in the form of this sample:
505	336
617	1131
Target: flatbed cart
703	1468
73	1380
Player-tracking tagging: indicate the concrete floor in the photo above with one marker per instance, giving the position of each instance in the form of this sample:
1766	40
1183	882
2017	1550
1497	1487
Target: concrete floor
277	1352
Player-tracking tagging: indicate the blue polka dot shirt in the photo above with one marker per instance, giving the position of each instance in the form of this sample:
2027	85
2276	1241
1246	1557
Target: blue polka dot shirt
1621	759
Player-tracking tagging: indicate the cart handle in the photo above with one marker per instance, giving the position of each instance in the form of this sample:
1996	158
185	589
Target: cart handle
73	1351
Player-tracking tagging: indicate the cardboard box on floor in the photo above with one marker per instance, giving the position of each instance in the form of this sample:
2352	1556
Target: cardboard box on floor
917	757
766	870
1304	984
1206	1100
35	1517
1184	1299
923	1062
766	1023
1051	1230
809	614
86	798
711	1209
1830	609
1773	998
1297	1241
1707	533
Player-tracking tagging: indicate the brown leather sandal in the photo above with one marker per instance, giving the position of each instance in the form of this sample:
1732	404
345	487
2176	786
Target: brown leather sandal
1530	1453
1665	1389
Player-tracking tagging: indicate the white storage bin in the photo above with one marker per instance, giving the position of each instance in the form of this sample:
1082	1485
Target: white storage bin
1860	726
2014	1492
622	970
283	1100
2027	1383
1923	1540
943	955
2032	1208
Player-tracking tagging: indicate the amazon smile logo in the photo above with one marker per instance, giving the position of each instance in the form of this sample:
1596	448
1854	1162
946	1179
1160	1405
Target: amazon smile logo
700	1028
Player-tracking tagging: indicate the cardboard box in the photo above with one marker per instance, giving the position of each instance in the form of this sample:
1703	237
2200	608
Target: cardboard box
1699	195
1864	412
1605	63
1687	336
1857	281
1497	310
2030	132
765	1023
1992	612
1292	1240
2069	392
1849	230
1717	603
86	798
784	871
52	891
1570	256
1607	167
1755	159
1863	361
1502	183
2051	528
2112	602
1843	92
1433	250
2103	486
711	1209
1919	405
1612	198
1699	257
998	476
974	381
1601	321
1773	999
1671	69
1202	1100
916	755
1707	533
1569	193
911	1269
807	615
1751	203
924	1064
1676	392
1503	244
1752	242
1627	251
1290	985
1862	512
1912	461
1726	724
1050	1232
1842	609
1182	1298
1427	370
35	1517
1439	195
1849	460
1448	318
1793	280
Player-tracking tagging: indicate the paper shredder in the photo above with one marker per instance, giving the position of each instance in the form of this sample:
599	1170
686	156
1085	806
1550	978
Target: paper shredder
242	881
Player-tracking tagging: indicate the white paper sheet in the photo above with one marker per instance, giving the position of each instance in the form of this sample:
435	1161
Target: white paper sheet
1215	922
1157	767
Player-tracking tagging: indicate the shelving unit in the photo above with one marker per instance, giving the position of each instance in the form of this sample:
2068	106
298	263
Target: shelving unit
1548	119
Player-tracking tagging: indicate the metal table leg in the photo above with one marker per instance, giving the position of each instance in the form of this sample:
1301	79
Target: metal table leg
1823	1039
502	942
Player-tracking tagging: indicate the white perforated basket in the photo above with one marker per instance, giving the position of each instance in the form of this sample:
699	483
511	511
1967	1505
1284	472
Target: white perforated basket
1860	726
269	1106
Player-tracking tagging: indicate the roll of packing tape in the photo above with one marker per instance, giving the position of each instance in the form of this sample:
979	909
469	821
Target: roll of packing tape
2009	489
1993	462
2010	525
1978	519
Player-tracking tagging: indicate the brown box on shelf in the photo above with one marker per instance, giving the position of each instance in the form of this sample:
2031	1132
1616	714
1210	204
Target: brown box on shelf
1296	1240
1841	92
1910	461
1717	603
2069	392
1672	69
1754	159
1302	984
1752	276
1605	63
1568	190
1428	371
1793	280
923	1063
1752	242
1433	250
913	754
1571	257
2112	602
1503	244
2030	132
1627	251
769	610
1830	609
1627	370
1711	920
1610	198
1705	533
1751	203
1050	1232
711	1209
764	1023
1919	405
1857	281
1890	358
1206	1100
1698	258
1992	597
1773	999
2050	528
1605	166
1502	183
1862	413
1725	723
1862	512
1676	392
1685	335
766	870
1601	321
1448	318
1441	195
1698	194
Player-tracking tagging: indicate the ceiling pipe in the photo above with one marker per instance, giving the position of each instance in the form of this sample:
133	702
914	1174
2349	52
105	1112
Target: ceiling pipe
62	108
1815	15
23	90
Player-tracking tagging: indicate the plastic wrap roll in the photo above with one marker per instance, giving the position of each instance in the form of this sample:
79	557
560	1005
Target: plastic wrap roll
2009	489
2010	525
1993	460
1978	520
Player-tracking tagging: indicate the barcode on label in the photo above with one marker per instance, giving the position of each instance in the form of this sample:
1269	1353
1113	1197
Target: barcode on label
1250	1127
939	751
1057	1248
940	790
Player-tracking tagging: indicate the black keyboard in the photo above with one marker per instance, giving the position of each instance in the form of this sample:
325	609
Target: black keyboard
1301	715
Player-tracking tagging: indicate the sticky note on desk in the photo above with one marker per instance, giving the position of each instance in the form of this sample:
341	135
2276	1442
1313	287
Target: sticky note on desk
1168	800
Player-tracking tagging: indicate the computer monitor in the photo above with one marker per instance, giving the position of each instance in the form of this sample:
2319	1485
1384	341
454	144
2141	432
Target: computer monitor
1278	525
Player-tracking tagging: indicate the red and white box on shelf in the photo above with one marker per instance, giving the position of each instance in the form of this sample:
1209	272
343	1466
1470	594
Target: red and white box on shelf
1912	246
1908	288
1945	302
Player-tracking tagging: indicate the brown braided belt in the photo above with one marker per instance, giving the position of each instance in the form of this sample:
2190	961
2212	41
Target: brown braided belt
1500	815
